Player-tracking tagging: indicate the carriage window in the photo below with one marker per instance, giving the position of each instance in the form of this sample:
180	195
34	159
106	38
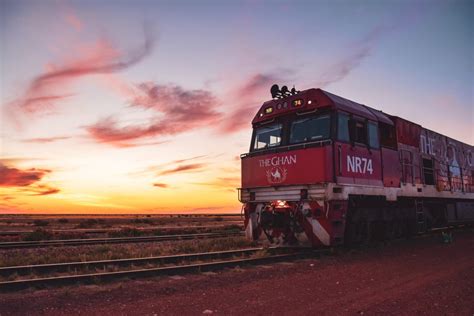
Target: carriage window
428	171
310	129
268	136
373	135
343	127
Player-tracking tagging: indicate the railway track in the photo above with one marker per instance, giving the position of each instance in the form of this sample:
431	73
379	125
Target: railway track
116	240
167	265
110	230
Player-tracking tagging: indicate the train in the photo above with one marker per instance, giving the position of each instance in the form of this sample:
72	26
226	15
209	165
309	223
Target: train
329	171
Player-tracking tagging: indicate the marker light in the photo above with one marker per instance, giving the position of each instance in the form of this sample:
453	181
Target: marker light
309	102
268	110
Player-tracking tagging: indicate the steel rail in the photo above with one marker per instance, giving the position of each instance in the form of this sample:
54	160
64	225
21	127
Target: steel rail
68	266
157	271
115	240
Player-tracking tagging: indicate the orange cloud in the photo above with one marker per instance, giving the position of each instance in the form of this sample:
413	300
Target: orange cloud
161	185
226	183
27	180
42	189
178	169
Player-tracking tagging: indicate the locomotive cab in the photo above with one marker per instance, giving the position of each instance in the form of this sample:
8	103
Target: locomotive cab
288	168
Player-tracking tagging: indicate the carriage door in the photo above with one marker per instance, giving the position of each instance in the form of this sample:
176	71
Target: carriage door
406	160
358	151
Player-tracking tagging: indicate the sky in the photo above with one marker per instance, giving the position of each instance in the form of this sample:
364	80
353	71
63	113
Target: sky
145	106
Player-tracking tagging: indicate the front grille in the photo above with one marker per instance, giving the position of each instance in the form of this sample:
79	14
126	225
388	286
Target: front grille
285	193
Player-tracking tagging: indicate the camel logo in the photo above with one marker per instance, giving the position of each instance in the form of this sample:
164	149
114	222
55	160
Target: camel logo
276	175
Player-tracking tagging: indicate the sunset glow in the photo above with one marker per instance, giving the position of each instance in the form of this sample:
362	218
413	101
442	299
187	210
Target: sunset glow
145	107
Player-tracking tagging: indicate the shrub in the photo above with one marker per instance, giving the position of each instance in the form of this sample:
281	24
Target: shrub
70	235
126	232
38	234
143	221
40	222
63	220
88	223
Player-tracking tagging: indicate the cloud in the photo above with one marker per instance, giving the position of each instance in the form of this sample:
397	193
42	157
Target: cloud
26	180
226	183
161	185
43	140
157	169
175	111
100	58
74	21
250	95
11	177
42	189
182	168
14	160
255	89
69	15
191	158
358	52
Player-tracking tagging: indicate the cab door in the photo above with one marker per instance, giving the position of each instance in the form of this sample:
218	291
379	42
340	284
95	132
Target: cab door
358	158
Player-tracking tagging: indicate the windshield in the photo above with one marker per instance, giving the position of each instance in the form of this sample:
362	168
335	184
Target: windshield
267	136
310	129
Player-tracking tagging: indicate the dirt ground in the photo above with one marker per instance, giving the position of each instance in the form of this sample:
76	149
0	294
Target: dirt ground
421	276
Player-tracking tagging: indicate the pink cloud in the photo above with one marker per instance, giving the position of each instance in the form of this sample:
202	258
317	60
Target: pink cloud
73	20
357	53
175	110
250	95
10	177
43	140
46	89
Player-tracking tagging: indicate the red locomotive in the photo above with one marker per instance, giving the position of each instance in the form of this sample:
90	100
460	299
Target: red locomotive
328	170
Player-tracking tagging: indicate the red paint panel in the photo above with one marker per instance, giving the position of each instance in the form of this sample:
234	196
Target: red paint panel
358	165
391	168
302	166
407	132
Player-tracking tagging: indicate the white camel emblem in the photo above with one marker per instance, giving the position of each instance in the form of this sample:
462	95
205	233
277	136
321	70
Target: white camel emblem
276	175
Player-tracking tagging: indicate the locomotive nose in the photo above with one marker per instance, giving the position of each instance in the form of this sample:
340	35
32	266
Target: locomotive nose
275	215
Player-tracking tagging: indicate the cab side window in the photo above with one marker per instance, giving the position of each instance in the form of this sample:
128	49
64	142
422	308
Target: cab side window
343	127
358	131
373	135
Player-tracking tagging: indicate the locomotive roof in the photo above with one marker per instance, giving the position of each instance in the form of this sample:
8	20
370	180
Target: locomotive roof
354	107
314	99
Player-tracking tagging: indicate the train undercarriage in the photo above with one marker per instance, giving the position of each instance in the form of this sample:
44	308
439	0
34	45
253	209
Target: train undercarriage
358	220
